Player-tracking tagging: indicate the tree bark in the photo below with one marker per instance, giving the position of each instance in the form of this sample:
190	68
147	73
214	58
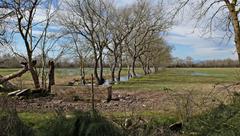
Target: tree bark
236	26
82	72
96	70
144	67
34	76
31	65
113	69
129	72
133	67
119	70
148	67
43	71
14	75
113	73
101	79
51	79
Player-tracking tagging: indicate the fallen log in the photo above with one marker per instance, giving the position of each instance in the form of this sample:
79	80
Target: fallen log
23	92
28	93
14	93
14	75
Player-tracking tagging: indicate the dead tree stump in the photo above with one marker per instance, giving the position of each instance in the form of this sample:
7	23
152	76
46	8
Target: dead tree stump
51	79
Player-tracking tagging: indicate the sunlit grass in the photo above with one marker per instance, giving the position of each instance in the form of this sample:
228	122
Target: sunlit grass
62	75
181	78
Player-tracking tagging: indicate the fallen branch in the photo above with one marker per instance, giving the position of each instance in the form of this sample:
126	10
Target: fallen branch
14	75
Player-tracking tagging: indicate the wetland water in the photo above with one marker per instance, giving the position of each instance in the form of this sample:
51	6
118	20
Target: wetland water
122	79
207	74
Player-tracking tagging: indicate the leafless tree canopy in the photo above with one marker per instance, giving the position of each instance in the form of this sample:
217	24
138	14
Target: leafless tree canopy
93	30
215	15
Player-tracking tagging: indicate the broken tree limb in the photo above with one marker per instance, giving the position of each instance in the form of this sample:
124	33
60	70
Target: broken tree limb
19	92
23	92
14	75
14	93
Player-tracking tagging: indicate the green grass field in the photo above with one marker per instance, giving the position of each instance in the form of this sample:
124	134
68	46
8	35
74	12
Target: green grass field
182	78
170	78
62	75
177	79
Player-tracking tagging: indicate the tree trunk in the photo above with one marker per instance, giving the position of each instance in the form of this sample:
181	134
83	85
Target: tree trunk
96	59
237	44
239	59
96	70
51	79
34	77
236	27
13	75
31	66
129	72
43	71
113	73
83	77
101	79
82	73
155	69
133	67
43	77
148	67
144	67
119	70
33	71
113	69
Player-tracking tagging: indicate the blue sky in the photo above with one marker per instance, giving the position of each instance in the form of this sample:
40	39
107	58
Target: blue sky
185	42
188	41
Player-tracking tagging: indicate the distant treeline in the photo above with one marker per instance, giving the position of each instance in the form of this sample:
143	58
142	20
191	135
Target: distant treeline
10	61
188	62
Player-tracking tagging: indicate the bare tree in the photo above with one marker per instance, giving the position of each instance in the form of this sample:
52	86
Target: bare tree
151	21
4	13
90	19
24	11
2	33
81	51
158	55
120	28
216	15
23	14
48	43
161	55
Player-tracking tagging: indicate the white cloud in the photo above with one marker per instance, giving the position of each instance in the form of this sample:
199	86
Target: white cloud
125	2
208	46
201	47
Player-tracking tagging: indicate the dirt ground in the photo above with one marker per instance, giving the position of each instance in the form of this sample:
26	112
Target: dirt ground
122	101
166	102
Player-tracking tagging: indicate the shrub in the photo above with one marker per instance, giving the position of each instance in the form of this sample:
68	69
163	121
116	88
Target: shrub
221	121
80	124
10	123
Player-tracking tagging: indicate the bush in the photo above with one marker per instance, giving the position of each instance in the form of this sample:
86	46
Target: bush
221	121
10	123
135	125
80	124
